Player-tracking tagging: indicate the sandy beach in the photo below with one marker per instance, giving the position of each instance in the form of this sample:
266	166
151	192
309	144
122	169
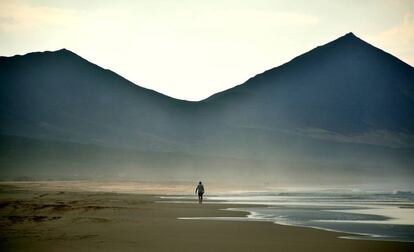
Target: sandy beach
39	218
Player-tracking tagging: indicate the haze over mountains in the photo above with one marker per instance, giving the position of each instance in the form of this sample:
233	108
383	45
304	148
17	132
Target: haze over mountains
342	113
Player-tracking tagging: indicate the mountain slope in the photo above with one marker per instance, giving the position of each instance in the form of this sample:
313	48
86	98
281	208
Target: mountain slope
346	86
59	95
341	110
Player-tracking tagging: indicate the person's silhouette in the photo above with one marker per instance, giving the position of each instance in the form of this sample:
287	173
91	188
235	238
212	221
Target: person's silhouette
200	190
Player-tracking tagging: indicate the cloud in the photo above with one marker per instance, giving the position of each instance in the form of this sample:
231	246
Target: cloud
15	16
399	39
235	20
290	19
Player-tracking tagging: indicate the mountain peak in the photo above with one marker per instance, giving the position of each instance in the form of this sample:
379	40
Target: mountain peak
349	38
348	45
350	34
63	50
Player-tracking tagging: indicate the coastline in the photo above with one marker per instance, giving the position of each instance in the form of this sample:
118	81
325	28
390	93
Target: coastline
50	220
248	217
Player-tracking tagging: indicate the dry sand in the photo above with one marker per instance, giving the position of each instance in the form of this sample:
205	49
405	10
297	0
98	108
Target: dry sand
46	219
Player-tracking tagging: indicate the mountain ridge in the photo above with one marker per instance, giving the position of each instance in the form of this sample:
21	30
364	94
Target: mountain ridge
348	36
343	39
68	53
342	108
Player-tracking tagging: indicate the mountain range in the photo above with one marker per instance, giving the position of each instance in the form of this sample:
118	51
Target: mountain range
341	113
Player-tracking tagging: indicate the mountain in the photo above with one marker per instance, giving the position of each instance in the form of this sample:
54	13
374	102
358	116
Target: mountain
60	96
346	86
341	113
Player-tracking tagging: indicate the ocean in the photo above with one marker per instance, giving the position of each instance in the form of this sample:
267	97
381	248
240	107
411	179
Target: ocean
362	215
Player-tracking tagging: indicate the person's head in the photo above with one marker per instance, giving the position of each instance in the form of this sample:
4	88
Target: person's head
199	183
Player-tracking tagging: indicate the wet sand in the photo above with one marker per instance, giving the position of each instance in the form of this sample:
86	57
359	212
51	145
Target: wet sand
47	219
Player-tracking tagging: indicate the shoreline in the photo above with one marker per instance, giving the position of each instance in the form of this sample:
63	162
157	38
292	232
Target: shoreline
247	218
349	235
250	216
100	221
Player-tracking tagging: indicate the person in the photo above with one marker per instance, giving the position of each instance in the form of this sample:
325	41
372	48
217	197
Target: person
200	190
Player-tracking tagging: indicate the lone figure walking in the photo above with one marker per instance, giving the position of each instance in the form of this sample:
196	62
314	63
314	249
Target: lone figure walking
200	190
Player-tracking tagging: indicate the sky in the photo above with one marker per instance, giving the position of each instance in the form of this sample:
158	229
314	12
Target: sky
193	49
